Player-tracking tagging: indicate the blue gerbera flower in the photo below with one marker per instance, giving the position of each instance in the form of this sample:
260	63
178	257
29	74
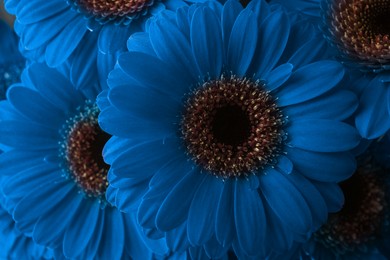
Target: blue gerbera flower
53	30
14	245
227	129
54	174
361	230
11	61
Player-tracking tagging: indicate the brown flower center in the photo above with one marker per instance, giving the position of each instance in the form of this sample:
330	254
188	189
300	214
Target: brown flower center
232	127
362	27
362	216
82	151
114	8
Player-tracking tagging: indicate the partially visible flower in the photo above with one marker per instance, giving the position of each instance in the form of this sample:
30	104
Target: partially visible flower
11	61
360	30
227	129
361	230
54	174
52	30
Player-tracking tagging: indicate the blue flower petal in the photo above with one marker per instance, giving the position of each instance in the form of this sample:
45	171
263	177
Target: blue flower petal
206	41
132	99
201	222
214	250
242	42
327	167
322	135
230	12
311	51
313	198
332	194
170	216
74	242
34	107
172	46
373	118
224	226
273	32
278	76
60	48
112	240
249	219
140	42
284	164
177	240
42	10
337	106
310	81
286	201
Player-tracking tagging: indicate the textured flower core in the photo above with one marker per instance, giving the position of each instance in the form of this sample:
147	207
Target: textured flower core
232	126
362	216
363	28
114	8
82	151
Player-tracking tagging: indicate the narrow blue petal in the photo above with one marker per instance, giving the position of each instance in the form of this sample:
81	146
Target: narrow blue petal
278	76
169	216
79	235
145	103
112	38
172	46
224	226
327	167
286	201
140	42
112	241
337	106
201	222
128	201
273	32
242	43
250	219
34	107
310	81
114	147
83	68
28	135
177	240
313	198
332	194
214	250
152	72
373	118
230	12
322	135
284	164
60	48
42	10
14	161
206	41
54	87
43	32
145	159
311	51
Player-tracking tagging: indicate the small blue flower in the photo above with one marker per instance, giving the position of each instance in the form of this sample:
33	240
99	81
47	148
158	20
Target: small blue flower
52	30
54	175
227	129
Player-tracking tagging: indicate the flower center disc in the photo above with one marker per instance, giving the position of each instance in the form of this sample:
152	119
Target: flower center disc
362	216
231	127
114	8
84	142
363	27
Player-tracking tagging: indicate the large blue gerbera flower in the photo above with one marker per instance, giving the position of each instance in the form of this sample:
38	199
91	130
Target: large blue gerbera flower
14	245
227	129
11	61
53	30
55	178
361	230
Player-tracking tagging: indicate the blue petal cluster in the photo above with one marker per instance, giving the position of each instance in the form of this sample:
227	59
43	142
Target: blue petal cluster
195	129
